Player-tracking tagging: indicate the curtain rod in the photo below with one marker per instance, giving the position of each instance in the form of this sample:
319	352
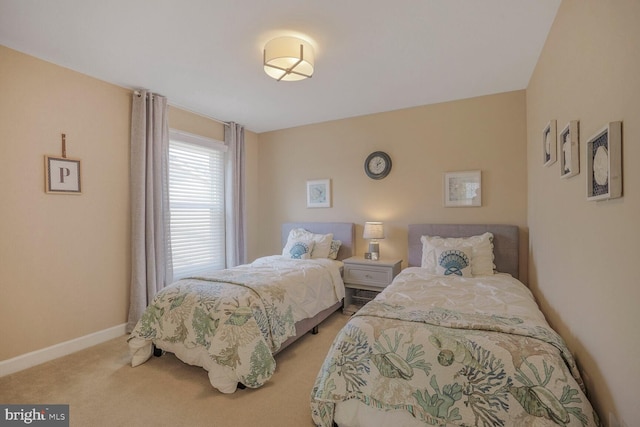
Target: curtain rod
139	94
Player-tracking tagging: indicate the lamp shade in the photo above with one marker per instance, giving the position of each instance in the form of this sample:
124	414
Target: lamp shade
373	230
288	58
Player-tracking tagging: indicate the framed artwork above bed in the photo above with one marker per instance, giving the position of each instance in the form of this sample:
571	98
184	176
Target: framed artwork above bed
319	193
462	189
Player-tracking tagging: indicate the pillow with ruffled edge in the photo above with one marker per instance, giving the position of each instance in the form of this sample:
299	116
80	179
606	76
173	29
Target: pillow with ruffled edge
335	248
322	245
481	255
453	261
298	248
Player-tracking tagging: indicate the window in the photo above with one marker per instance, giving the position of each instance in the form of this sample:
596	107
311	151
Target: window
196	204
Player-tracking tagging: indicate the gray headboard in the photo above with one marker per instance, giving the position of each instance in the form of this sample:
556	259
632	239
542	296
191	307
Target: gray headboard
343	231
505	242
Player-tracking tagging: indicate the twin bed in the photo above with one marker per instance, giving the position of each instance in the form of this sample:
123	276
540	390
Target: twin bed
455	340
451	342
232	322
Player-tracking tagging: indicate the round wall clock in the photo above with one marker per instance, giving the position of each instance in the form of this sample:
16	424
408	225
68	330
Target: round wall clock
377	165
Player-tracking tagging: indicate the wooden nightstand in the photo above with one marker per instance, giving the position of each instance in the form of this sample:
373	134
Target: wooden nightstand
364	279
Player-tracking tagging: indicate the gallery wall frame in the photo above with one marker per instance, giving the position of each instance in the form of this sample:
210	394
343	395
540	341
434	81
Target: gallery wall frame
604	163
463	189
570	150
319	193
549	143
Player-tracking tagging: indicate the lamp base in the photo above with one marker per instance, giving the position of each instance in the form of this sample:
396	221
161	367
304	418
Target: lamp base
374	249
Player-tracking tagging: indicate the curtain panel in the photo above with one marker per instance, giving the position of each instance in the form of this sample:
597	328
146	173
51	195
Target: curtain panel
150	251
235	195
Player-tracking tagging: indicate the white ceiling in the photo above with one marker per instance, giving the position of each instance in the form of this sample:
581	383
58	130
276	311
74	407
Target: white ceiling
371	55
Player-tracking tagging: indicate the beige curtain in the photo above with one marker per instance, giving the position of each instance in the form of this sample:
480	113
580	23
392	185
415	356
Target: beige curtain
235	221
150	252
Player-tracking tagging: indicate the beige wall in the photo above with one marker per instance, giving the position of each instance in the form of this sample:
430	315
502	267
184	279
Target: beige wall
64	259
583	253
486	133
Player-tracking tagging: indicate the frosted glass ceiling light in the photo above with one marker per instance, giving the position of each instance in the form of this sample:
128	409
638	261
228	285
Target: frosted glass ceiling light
288	59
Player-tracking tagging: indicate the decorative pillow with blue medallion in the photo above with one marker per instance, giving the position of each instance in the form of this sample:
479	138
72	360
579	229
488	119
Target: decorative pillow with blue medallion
322	242
453	261
481	252
298	249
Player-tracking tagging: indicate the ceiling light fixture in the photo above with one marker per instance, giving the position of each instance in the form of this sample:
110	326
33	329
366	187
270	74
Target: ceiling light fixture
288	58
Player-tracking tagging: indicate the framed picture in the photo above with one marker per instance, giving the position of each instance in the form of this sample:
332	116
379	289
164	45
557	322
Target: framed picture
62	175
569	150
604	163
319	193
462	189
549	143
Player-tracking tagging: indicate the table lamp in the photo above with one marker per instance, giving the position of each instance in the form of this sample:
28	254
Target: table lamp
374	231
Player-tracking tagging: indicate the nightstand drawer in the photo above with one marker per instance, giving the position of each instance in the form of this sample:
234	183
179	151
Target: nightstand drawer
368	275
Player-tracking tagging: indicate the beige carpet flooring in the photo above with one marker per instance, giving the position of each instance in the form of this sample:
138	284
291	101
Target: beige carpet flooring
103	389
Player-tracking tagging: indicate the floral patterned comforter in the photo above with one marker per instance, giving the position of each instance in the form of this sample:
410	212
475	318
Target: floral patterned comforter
456	352
229	322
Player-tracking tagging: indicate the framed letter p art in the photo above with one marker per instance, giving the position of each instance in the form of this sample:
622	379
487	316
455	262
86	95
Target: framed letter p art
62	175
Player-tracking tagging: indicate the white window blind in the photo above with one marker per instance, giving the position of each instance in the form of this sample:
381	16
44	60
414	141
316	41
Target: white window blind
196	204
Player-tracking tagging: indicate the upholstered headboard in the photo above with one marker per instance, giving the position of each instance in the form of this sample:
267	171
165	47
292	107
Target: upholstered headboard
505	242
343	231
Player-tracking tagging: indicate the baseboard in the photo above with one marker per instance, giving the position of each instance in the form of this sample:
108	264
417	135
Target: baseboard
37	357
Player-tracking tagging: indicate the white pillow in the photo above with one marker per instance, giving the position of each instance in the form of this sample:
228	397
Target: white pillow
298	248
322	245
481	254
335	247
454	261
